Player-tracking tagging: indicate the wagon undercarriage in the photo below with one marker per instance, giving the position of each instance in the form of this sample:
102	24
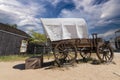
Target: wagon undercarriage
66	51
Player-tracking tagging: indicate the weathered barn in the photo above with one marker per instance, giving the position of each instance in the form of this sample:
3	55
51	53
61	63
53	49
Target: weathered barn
12	40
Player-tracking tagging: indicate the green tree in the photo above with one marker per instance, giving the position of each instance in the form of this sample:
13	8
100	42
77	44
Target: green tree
12	25
37	38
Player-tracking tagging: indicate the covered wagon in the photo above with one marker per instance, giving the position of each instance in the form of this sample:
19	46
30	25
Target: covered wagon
68	36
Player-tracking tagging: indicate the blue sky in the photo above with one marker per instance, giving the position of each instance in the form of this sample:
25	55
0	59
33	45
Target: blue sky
102	16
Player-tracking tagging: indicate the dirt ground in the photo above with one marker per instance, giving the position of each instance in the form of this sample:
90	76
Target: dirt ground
81	71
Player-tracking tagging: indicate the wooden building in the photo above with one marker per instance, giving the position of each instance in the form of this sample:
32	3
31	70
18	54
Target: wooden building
12	40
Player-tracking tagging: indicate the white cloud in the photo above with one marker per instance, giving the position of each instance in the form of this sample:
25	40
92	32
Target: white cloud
109	34
21	14
84	9
15	11
55	2
95	15
110	9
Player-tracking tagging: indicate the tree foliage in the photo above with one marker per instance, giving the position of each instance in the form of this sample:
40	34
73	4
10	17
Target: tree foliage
37	38
12	25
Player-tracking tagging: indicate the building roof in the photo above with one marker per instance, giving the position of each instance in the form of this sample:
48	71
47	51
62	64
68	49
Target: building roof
7	28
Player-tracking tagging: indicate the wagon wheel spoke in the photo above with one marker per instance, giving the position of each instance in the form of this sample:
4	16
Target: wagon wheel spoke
60	48
103	57
69	56
59	55
105	53
108	57
85	54
65	51
63	46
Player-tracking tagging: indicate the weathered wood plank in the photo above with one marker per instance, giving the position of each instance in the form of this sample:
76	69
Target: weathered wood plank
9	44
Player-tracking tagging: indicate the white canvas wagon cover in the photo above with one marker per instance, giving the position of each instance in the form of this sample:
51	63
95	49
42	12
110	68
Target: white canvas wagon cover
65	28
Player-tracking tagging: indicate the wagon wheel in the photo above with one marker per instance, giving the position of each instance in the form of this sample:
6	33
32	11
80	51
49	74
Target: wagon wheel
85	53
105	53
65	52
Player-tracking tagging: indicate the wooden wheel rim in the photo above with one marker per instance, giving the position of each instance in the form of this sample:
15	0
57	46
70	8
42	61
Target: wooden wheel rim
67	53
105	53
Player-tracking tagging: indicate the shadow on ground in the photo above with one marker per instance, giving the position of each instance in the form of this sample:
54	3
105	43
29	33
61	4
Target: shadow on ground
51	64
19	66
45	64
89	60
